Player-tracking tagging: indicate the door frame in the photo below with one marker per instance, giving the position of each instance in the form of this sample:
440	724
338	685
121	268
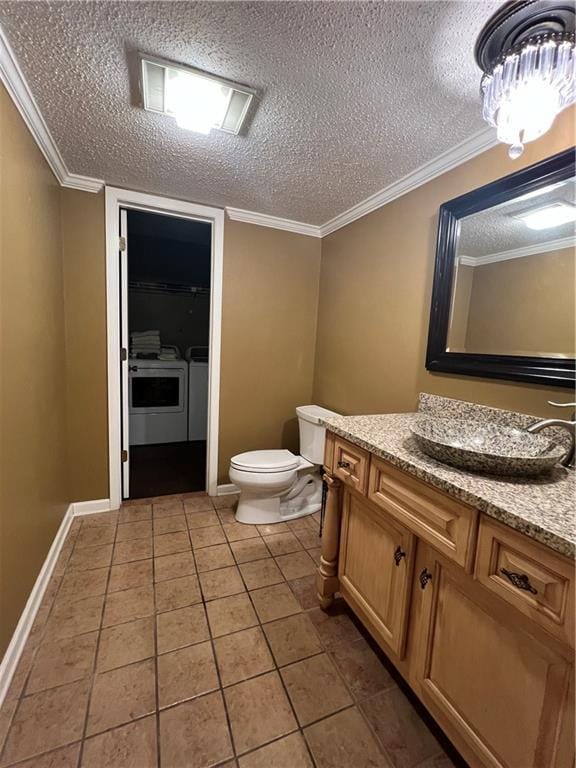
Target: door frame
116	199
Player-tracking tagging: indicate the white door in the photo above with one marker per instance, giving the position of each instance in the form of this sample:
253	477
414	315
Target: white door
125	349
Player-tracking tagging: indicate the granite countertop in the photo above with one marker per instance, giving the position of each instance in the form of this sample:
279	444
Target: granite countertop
542	508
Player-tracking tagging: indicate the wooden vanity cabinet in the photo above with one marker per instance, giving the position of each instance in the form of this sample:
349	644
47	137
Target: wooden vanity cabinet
477	617
499	686
375	570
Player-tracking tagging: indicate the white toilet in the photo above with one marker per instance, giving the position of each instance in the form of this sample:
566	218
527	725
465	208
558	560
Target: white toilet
277	485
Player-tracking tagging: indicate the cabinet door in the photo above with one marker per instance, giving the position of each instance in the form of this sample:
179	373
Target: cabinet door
375	570
502	692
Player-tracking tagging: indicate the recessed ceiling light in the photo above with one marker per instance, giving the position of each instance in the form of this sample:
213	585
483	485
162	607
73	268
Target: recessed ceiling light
198	101
548	216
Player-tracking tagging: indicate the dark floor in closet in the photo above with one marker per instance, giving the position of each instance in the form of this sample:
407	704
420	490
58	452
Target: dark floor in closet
158	470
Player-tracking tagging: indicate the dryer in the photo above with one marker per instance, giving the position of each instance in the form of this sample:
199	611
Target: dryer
158	401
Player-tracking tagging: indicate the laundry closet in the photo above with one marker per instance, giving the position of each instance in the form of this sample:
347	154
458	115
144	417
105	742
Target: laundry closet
168	324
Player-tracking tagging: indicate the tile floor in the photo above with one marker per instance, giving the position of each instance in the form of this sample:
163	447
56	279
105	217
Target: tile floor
171	636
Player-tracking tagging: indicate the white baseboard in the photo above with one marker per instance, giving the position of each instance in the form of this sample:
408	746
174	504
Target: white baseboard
90	507
225	490
14	650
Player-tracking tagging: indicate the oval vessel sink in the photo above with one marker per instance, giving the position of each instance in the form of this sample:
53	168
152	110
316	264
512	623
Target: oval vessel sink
487	447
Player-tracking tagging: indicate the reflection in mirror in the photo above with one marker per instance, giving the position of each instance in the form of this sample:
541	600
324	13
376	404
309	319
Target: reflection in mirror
514	277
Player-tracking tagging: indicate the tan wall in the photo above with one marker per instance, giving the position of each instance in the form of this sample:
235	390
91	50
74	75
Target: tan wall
375	290
83	248
270	303
524	306
33	482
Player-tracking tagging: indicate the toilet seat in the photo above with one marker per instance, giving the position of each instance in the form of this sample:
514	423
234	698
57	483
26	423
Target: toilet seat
265	462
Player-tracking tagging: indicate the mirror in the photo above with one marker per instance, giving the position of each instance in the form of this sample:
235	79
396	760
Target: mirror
504	300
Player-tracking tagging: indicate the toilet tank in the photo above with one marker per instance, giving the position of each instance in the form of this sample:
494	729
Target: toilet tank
312	433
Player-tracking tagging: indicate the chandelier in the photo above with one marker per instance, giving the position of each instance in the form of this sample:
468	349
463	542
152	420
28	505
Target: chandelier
526	51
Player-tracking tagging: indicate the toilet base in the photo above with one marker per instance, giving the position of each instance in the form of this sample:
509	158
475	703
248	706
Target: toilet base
257	510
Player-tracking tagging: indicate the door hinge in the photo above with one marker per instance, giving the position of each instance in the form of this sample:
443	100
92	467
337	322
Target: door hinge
123	354
124	456
122	243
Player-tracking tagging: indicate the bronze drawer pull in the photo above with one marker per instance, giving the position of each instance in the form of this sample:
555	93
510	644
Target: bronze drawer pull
520	580
398	555
425	577
344	464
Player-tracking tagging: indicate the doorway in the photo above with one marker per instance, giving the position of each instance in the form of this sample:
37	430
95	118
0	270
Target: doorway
164	284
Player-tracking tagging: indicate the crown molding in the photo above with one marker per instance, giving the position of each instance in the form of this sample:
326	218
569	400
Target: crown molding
461	153
517	253
274	222
16	85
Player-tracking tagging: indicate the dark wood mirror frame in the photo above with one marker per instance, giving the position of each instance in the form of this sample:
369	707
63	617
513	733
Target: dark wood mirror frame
550	371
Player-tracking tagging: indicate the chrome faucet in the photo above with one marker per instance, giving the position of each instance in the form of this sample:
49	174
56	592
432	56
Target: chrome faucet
569	426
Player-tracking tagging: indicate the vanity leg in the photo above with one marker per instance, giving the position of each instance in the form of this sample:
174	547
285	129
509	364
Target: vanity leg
327	579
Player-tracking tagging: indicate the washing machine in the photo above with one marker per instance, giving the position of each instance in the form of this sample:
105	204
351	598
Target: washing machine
158	401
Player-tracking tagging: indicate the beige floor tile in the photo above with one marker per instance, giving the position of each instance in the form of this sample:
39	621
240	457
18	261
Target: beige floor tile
315	554
186	673
230	614
242	655
202	520
184	626
94	536
130	531
129	575
62	661
361	668
440	760
207	537
23	667
127	551
6	712
91	557
226	501
171	543
308	539
64	757
315	688
171	524
259	711
240	531
406	739
125	644
46	720
167	507
282	543
130	746
288	752
292	639
261	573
221	583
226	515
249	550
305	591
300	524
121	695
272	529
177	593
274	602
99	518
80	584
210	558
135	513
173	566
334	625
296	565
195	734
344	740
128	605
198	504
70	618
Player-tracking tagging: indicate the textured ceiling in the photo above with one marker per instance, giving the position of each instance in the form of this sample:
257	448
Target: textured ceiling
352	95
495	230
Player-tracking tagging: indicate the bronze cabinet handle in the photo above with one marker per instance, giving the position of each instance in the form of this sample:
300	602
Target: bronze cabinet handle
398	554
424	578
519	580
344	464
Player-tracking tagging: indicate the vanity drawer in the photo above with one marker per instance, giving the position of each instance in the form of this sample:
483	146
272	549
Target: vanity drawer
529	576
439	520
350	464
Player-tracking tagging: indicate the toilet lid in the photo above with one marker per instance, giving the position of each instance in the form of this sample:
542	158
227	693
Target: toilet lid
265	461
